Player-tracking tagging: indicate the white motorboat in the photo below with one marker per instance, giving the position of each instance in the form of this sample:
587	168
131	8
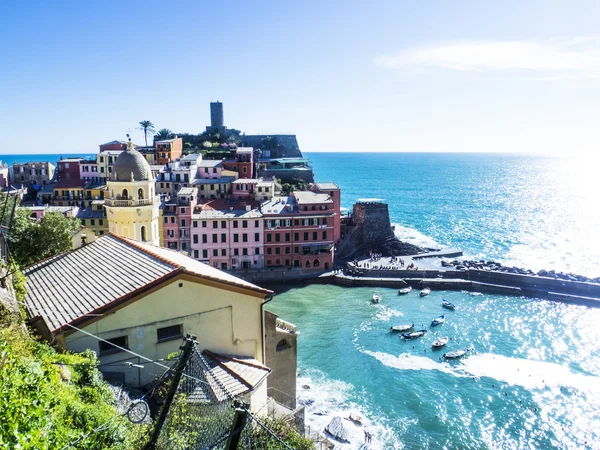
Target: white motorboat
440	342
402	328
406	290
456	354
376	298
425	292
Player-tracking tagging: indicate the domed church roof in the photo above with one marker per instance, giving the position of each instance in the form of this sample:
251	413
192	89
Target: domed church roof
131	166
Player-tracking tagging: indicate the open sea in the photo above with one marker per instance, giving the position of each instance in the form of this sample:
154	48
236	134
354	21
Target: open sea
532	378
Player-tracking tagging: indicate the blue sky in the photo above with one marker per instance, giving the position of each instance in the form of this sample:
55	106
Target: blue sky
516	76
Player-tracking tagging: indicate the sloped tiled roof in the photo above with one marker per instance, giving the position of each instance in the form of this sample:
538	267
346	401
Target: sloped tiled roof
99	276
234	374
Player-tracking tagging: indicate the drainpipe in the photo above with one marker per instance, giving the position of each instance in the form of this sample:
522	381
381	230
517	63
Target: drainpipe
268	298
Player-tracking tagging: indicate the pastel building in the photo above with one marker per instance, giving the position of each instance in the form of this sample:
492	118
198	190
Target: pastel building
68	169
93	217
37	212
168	150
88	171
228	236
177	174
177	219
33	173
252	188
69	193
299	231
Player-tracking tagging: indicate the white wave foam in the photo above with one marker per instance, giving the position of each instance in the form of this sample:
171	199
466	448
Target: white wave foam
327	399
414	237
514	371
385	313
406	361
527	373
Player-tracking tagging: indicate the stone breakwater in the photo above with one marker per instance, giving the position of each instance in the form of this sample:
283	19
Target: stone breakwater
498	267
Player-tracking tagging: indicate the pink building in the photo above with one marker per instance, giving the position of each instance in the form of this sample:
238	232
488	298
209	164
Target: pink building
37	212
88	171
209	168
177	219
228	235
299	231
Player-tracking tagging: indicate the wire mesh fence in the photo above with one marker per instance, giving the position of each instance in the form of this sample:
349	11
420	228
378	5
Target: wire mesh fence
203	414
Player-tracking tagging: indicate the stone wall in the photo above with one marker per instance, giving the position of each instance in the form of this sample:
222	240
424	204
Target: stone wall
373	222
286	145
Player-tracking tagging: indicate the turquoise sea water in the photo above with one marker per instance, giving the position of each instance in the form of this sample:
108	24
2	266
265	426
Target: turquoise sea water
532	379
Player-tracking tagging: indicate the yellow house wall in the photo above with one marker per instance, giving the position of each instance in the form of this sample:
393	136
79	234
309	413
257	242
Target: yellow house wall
223	321
128	220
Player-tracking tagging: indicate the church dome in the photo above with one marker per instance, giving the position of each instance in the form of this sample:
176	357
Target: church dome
131	166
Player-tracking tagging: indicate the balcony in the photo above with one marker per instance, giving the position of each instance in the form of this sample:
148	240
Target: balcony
133	202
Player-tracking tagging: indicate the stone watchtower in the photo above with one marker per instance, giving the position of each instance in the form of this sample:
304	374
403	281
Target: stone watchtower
132	206
216	116
372	220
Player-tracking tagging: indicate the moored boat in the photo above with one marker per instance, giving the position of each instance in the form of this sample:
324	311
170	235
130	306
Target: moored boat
425	292
400	328
447	304
456	353
406	290
438	321
413	335
376	298
440	342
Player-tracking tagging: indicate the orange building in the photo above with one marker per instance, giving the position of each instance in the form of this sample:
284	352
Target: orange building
168	150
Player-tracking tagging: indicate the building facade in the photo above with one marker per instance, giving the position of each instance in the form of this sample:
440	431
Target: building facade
33	173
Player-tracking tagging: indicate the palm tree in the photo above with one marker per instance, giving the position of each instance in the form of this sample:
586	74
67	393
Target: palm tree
147	128
163	133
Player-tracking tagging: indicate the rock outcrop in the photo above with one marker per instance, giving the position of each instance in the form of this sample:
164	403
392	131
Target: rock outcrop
337	430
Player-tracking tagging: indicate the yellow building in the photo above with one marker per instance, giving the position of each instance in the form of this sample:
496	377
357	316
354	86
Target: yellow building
94	217
132	206
145	299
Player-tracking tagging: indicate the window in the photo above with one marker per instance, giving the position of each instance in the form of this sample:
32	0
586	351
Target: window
235	224
269	224
244	224
195	224
215	224
223	252
245	237
92	222
278	251
166	220
245	251
269	238
223	237
314	236
287	250
256	237
100	222
195	238
223	224
106	348
324	235
296	249
287	237
256	224
205	254
169	333
183	222
236	252
288	222
204	238
236	238
215	252
181	210
296	237
324	221
296	222
215	238
269	250
173	219
306	235
195	254
277	237
305	222
204	224
315	221
257	251
277	223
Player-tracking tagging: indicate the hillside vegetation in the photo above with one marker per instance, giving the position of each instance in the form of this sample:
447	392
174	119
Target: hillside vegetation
49	399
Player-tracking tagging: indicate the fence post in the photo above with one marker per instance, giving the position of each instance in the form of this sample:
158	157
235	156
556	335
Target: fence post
239	422
186	353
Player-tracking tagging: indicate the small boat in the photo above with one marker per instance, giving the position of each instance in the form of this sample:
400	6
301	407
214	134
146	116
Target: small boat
438	321
413	335
401	328
406	290
455	354
440	342
425	292
447	304
376	298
